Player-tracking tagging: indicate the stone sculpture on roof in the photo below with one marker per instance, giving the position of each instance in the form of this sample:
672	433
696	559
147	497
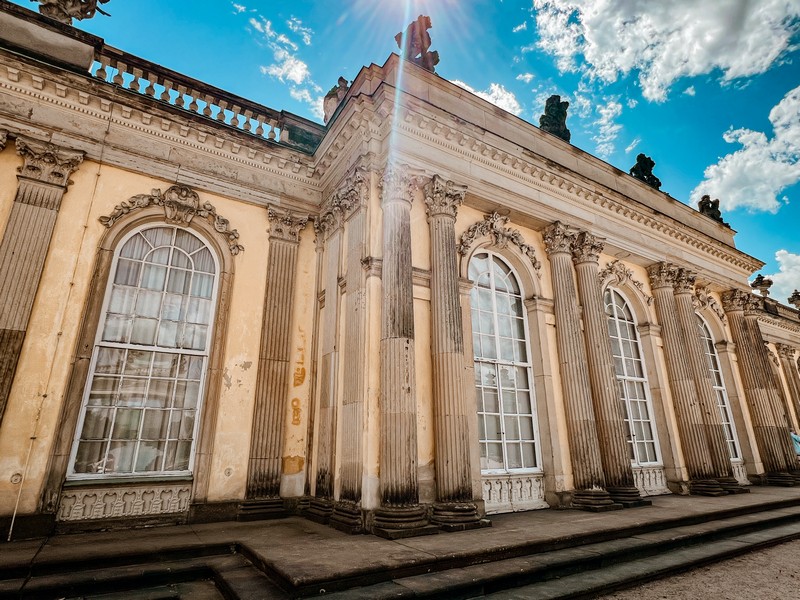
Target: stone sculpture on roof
554	119
64	11
333	98
415	42
762	284
643	171
710	208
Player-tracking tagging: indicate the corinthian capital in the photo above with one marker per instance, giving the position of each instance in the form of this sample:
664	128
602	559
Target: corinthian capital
398	183
662	274
559	238
587	248
443	197
684	281
47	162
733	300
785	351
285	225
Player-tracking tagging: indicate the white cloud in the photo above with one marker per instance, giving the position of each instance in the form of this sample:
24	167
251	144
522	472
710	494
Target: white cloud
632	102
632	145
664	41
496	94
690	91
787	279
287	67
315	102
264	26
521	27
239	8
296	25
607	128
754	176
282	39
526	77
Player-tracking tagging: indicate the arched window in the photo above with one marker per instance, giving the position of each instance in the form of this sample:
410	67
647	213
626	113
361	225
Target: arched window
506	413
634	390
140	408
719	389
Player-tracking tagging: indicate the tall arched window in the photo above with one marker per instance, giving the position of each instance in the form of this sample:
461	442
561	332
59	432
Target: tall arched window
634	390
506	413
719	389
141	403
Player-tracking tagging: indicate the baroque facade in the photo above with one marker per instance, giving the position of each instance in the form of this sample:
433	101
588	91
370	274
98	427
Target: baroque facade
423	313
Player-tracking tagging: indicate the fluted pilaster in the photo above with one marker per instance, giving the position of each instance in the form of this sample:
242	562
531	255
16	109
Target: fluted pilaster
272	383
43	180
587	464
757	381
611	428
786	354
704	387
688	409
454	508
399	487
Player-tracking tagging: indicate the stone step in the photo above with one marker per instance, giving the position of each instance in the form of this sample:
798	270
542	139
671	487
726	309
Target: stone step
720	537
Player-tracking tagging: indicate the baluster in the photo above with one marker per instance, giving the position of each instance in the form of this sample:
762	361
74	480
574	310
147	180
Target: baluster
221	114
236	110
272	126
179	101
195	95
260	126
102	72
151	89
136	83
248	115
207	110
165	95
118	78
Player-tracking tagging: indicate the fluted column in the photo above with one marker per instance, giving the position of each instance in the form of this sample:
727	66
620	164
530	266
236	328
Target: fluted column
42	182
352	199
611	428
272	383
757	381
704	387
688	408
454	508
400	513
789	366
587	467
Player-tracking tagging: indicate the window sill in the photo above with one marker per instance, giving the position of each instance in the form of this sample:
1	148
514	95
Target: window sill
122	481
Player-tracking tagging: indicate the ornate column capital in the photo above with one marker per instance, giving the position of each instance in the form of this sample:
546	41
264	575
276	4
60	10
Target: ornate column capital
285	226
443	197
785	351
684	281
734	300
348	198
587	248
662	275
47	163
399	182
559	238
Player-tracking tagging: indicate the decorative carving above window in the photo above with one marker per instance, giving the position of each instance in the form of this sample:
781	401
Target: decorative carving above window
703	300
494	226
181	204
617	274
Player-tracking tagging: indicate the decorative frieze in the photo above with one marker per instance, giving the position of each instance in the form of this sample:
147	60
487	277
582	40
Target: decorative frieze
87	504
494	226
285	226
512	493
618	275
181	204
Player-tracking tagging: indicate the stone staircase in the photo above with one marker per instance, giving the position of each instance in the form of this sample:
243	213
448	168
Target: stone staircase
571	566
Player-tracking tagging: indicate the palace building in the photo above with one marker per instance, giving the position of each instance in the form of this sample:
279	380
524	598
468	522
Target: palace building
423	313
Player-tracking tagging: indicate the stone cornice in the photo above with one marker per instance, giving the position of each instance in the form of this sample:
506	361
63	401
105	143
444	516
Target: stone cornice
494	226
181	204
662	275
587	248
618	275
473	149
703	300
443	197
285	225
47	163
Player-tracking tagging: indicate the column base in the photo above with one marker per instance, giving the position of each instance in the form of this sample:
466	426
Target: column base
781	479
397	522
594	501
796	475
627	496
730	485
457	516
347	517
319	510
257	510
706	487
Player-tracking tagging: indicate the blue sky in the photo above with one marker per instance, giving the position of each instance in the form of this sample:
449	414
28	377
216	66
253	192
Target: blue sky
709	90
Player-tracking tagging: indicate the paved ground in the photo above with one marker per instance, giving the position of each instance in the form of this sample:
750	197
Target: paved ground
771	574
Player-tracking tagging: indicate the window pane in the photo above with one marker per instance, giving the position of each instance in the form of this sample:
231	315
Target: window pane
126	425
153	277
90	457
97	423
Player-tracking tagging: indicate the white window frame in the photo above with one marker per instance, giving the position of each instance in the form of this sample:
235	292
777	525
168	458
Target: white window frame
636	462
537	440
98	343
718	384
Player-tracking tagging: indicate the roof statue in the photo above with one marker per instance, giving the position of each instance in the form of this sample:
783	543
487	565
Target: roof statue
333	98
64	11
762	284
554	119
710	208
414	44
794	299
643	171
